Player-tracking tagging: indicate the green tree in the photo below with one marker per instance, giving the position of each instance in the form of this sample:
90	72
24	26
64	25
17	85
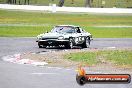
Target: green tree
61	3
87	3
9	1
26	2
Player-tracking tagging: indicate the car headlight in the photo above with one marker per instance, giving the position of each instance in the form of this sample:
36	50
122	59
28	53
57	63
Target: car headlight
61	37
39	38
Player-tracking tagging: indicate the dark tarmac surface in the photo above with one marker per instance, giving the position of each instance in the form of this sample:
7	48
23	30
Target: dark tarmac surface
26	76
19	45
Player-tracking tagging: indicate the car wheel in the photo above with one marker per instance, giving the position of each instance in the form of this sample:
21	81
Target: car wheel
70	44
86	44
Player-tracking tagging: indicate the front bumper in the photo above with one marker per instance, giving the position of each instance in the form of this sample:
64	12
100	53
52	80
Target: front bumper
52	42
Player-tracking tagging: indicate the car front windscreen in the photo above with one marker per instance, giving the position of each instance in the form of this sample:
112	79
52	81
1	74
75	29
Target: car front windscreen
64	29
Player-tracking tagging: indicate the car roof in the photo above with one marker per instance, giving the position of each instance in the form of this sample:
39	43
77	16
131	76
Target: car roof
67	26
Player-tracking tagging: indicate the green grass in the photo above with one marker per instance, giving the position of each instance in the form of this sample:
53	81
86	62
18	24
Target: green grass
110	32
33	31
33	23
83	57
118	57
58	18
20	31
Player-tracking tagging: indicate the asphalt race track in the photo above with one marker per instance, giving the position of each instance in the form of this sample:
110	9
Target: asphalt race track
27	76
19	45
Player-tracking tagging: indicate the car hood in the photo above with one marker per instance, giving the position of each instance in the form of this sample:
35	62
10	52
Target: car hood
52	35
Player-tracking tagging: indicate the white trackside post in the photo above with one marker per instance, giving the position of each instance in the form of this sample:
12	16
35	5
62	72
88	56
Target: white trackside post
53	8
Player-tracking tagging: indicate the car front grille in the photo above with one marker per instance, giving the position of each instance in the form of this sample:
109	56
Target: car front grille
49	38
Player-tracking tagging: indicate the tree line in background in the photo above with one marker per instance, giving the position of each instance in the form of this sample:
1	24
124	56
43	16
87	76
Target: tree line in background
60	3
87	3
14	1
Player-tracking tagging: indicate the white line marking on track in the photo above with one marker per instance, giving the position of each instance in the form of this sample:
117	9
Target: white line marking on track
111	47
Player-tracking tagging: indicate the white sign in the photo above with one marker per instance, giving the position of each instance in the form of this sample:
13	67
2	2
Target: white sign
53	8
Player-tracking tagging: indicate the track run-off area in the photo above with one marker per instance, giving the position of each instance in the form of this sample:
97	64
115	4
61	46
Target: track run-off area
27	76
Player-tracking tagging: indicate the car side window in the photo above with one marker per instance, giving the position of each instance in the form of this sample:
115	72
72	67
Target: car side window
82	31
78	30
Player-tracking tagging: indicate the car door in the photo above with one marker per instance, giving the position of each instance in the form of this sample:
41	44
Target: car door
81	37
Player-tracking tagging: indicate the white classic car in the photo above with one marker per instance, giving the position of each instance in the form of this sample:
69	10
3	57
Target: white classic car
67	35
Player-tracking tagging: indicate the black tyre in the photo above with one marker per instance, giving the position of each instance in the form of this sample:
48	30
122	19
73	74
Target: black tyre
70	44
86	44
